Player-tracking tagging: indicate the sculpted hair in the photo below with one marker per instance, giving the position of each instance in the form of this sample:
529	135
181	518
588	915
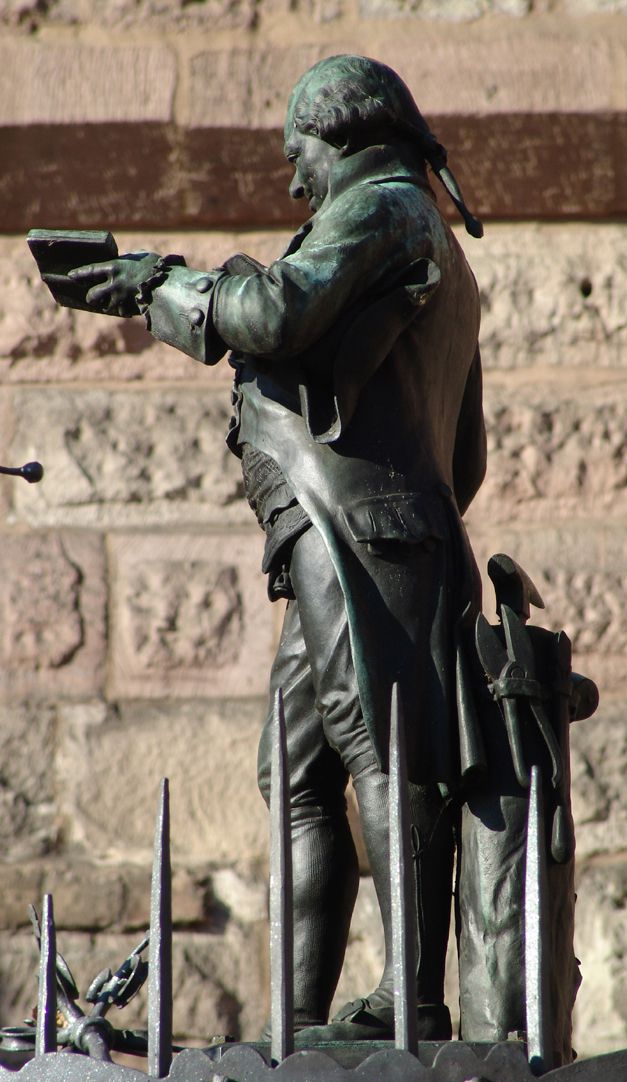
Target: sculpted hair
354	94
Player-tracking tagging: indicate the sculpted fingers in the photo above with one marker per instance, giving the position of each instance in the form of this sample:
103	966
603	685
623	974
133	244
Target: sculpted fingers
100	296
97	271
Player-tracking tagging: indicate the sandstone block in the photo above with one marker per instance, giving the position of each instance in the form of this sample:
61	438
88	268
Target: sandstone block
149	15
599	764
63	84
108	767
594	7
449	10
517	69
245	87
190	616
160	176
53	601
95	896
554	452
600	1022
579	569
550	295
23	885
56	174
28	821
19	959
128	457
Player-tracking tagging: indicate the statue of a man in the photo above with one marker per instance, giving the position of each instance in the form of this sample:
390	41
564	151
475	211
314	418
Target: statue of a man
358	421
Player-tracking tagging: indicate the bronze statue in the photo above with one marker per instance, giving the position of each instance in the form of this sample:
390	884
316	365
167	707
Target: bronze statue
358	420
359	424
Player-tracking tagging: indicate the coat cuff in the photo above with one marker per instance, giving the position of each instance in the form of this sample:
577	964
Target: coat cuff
177	303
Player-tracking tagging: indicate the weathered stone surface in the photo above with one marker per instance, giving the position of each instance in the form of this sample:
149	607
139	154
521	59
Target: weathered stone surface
594	7
554	451
110	760
92	895
32	15
600	1022
126	457
220	980
245	87
218	177
579	569
599	768
29	825
55	174
52	598
521	67
551	295
29	16
190	616
64	84
449	10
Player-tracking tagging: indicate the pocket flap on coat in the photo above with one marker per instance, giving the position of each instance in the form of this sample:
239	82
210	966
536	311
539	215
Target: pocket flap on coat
403	516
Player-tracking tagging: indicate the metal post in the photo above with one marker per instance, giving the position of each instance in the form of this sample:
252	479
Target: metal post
46	1032
537	933
160	950
281	902
403	888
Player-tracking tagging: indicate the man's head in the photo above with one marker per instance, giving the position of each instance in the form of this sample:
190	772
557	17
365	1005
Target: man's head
342	104
345	103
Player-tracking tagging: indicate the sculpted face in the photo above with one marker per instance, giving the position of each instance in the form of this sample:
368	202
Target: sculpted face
312	158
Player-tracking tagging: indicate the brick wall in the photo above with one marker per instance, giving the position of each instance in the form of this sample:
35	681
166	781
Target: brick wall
136	634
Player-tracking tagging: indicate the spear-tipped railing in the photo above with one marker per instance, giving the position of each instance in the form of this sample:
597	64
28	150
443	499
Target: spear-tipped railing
160	950
46	1031
403	888
281	896
537	932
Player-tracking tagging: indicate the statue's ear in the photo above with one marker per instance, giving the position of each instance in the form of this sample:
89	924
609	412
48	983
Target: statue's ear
342	141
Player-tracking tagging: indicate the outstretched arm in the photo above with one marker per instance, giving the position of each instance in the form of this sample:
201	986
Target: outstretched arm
181	315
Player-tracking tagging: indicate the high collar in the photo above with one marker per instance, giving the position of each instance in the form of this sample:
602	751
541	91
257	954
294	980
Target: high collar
374	165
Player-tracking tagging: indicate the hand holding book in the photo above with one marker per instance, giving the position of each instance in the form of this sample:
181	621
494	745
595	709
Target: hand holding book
82	269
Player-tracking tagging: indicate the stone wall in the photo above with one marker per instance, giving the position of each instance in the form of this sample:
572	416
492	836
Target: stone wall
136	635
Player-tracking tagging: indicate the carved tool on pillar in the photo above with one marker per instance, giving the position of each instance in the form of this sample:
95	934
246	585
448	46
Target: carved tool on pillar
281	917
403	888
46	1033
537	935
160	950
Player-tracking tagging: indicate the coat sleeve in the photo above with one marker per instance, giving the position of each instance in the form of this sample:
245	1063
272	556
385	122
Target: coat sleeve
180	313
357	244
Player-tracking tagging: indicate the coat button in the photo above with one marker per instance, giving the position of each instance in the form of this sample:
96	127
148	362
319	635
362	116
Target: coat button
203	285
196	317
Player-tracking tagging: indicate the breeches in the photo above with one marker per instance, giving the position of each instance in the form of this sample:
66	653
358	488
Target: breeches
326	735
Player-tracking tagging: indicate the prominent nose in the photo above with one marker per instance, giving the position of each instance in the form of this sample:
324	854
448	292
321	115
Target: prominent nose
296	189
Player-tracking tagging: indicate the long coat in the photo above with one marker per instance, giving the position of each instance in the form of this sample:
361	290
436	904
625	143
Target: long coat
360	375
